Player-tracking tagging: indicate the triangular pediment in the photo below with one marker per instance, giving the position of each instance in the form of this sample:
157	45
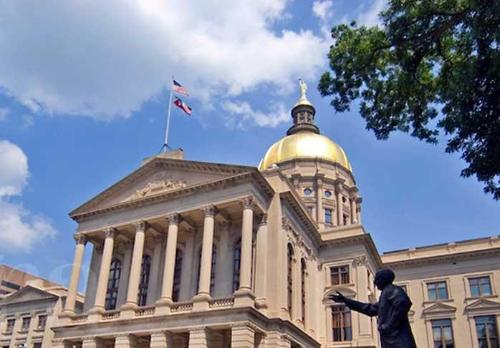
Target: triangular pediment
438	308
27	294
482	303
160	176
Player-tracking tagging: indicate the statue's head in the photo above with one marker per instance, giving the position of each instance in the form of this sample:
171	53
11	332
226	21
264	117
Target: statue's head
384	277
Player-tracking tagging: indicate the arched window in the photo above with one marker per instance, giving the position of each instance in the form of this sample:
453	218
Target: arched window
177	275
341	323
290	279
144	281
303	275
236	264
115	272
212	271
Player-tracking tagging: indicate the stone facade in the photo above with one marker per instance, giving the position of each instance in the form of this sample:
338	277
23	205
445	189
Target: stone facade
194	254
28	314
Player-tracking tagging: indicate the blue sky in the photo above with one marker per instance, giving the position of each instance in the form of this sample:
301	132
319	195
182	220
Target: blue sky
83	98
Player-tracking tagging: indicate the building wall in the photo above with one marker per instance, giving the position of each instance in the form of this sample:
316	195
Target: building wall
415	270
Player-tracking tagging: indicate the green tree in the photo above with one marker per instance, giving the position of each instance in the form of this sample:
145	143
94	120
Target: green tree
432	66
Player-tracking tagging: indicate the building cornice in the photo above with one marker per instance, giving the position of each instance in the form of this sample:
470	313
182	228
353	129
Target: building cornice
364	239
442	258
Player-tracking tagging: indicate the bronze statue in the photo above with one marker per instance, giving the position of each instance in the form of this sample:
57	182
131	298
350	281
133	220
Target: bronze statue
392	311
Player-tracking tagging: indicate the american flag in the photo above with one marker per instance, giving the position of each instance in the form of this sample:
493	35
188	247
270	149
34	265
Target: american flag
178	88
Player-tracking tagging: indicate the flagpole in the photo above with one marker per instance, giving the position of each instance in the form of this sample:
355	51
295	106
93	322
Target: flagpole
167	128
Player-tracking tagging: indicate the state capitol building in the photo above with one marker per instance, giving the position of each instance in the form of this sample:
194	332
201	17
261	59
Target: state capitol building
191	254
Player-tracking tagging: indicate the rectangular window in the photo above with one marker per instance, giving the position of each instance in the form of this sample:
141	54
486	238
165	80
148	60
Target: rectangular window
339	275
37	345
328	216
25	326
480	286
487	332
442	333
10	325
42	321
437	291
341	324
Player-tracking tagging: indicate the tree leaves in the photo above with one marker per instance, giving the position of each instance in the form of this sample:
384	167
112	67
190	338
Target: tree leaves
429	55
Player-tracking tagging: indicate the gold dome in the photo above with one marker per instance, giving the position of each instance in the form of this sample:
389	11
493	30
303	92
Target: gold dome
304	144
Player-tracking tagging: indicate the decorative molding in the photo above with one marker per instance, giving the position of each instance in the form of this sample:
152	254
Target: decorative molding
160	183
263	219
248	202
209	210
141	226
173	219
360	260
110	232
80	238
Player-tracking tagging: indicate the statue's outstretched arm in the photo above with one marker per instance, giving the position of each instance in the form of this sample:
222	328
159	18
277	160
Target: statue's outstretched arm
370	309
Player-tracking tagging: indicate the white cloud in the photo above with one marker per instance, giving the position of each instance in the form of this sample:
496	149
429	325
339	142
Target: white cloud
14	169
20	230
246	114
105	58
322	9
370	17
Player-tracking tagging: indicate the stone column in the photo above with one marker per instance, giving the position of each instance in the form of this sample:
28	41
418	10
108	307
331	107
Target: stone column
125	341
319	200
170	250
92	342
81	240
242	336
261	264
340	205
358	206
246	246
206	254
155	277
102	283
161	339
124	276
198	338
93	277
135	267
187	279
362	285
354	218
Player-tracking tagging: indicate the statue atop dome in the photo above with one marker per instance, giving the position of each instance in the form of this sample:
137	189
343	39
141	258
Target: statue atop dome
303	89
303	98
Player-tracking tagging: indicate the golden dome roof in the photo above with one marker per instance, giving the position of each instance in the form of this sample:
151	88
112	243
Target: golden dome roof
304	145
303	139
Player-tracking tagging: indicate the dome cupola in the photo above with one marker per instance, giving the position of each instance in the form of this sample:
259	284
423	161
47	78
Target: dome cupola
303	139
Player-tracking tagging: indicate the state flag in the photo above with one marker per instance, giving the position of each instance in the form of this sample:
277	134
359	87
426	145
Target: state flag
183	106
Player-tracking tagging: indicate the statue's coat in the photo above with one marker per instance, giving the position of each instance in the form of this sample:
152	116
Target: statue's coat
392	311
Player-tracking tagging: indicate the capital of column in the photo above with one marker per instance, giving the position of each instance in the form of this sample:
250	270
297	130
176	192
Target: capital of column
339	185
80	238
110	232
141	226
263	219
173	219
248	202
209	210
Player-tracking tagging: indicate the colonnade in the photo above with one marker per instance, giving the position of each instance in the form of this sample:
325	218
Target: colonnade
167	279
